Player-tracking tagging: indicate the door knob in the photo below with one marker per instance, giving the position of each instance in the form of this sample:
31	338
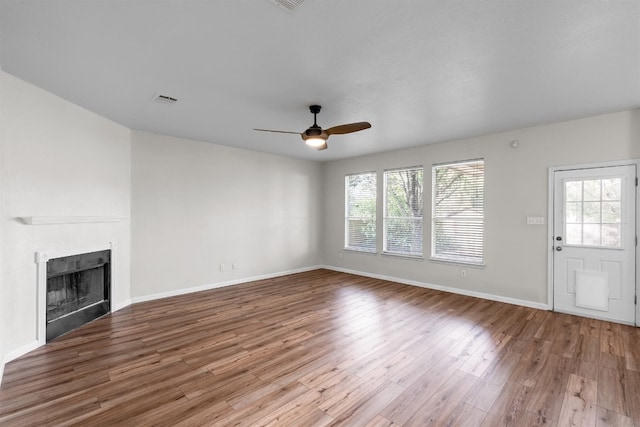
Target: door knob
559	239
558	248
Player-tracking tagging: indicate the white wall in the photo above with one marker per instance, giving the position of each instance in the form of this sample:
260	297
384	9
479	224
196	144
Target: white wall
515	187
198	205
57	160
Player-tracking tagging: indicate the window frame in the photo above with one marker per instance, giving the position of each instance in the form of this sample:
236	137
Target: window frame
385	216
457	259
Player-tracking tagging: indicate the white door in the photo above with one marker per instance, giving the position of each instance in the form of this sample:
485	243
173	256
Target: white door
594	242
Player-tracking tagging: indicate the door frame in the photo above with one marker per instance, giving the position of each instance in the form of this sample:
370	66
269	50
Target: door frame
551	224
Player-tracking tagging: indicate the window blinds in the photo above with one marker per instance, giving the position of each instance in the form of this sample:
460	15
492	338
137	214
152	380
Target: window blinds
458	212
403	215
360	212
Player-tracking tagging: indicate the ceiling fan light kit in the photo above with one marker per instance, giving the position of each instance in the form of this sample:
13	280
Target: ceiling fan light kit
316	142
316	137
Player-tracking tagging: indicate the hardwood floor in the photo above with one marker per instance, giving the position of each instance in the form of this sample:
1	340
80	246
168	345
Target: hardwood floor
327	348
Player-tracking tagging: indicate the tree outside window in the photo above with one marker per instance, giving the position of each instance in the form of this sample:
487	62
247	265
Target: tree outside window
403	211
360	215
458	212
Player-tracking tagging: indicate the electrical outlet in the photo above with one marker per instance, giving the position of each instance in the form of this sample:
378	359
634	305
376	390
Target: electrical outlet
463	273
535	220
221	267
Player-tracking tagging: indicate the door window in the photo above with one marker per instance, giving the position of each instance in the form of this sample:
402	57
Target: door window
593	211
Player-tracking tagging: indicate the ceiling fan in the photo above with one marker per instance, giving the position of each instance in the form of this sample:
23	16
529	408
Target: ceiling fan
316	137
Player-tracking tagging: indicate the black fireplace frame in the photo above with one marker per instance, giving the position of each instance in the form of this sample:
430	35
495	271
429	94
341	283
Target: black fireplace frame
72	266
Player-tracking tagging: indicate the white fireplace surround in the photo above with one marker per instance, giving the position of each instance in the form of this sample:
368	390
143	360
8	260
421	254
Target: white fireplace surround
41	258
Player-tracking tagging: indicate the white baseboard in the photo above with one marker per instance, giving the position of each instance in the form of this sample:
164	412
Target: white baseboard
120	305
459	291
14	354
220	284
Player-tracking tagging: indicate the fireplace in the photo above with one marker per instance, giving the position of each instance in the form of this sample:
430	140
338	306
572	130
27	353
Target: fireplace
77	291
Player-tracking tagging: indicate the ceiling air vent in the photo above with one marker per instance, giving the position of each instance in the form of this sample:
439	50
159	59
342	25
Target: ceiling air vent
164	99
287	5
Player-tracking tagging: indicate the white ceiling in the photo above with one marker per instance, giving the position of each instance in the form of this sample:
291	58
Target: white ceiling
419	71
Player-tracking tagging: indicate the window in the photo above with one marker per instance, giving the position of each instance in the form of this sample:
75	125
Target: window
360	212
593	212
458	212
403	211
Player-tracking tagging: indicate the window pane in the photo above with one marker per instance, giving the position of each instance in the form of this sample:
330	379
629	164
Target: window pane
404	235
592	212
403	211
361	233
360	215
611	189
574	234
591	190
573	212
591	234
611	235
573	191
458	212
611	212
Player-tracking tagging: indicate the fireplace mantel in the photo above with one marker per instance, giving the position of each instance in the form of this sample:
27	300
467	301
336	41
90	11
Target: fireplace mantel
46	220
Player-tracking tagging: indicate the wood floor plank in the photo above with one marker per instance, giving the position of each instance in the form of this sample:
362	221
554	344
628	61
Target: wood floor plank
419	392
611	340
548	393
509	406
445	400
607	418
483	394
613	391
532	363
579	404
465	415
327	348
631	342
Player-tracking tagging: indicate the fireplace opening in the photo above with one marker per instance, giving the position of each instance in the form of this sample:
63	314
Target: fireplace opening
78	288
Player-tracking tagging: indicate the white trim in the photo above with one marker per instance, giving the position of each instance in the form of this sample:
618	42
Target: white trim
115	306
207	287
594	316
47	220
14	354
491	297
41	258
551	216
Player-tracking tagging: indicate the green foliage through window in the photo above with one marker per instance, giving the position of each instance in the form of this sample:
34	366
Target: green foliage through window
458	212
403	211
360	216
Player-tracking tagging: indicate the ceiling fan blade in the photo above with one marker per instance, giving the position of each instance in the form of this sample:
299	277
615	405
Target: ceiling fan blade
277	131
351	127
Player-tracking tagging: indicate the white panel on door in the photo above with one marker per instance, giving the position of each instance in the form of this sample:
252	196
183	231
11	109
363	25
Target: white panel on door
613	270
573	265
592	290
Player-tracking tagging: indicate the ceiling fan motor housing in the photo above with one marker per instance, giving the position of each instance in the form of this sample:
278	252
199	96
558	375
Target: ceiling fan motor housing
313	131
